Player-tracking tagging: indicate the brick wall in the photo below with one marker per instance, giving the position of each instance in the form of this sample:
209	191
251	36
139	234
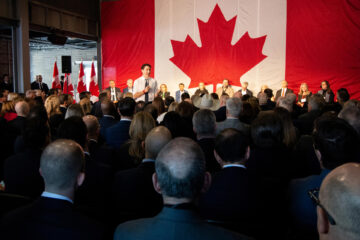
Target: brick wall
42	62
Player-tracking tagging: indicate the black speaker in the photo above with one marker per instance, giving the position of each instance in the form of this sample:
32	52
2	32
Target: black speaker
66	64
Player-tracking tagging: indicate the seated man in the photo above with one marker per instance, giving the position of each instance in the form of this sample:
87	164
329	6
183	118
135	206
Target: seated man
338	211
244	90
119	132
179	92
283	91
225	88
335	143
229	197
140	199
204	125
52	215
180	177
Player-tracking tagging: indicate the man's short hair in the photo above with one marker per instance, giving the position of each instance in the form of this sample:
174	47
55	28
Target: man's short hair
145	65
234	106
73	128
84	94
169	100
184	96
266	130
337	142
351	114
126	107
269	93
286	103
180	169
225	142
103	95
60	164
75	110
140	105
343	95
155	140
181	84
107	107
204	122
53	91
316	102
92	124
63	98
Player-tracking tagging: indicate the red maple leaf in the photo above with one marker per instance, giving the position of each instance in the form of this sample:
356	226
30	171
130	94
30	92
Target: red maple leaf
217	59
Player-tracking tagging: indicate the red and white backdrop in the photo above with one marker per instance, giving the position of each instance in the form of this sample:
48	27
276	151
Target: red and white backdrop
258	41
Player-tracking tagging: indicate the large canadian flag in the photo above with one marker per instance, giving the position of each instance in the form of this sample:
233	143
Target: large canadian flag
81	86
261	42
94	88
68	87
56	80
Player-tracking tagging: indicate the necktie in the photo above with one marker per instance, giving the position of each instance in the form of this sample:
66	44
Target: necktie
112	94
146	94
40	86
283	92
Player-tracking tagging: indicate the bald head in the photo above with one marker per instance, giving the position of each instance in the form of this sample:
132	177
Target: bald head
22	108
92	125
340	195
180	169
60	164
156	139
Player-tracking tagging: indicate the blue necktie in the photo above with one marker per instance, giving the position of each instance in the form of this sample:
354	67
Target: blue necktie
146	94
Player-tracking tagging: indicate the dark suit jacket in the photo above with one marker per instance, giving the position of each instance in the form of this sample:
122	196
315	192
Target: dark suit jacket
18	124
21	174
44	86
117	91
63	110
118	133
207	145
278	93
96	110
248	92
106	122
305	122
102	153
329	96
49	218
200	92
229	197
126	90
134	195
270	105
173	224
220	114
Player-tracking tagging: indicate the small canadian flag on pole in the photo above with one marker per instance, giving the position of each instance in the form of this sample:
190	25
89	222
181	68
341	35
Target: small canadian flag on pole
56	80
94	87
81	87
68	87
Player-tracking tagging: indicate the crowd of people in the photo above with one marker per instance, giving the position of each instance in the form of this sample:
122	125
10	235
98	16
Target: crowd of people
141	164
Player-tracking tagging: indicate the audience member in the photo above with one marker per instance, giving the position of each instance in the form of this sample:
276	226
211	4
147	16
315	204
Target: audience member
86	105
108	119
52	215
22	110
74	110
233	111
204	124
141	199
180	178
220	114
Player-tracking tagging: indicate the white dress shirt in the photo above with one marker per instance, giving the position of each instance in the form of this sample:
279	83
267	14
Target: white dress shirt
56	196
139	86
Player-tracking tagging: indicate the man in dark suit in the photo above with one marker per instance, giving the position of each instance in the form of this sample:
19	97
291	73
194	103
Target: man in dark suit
229	198
52	215
119	133
98	175
283	91
96	109
179	92
130	86
21	171
335	143
220	114
22	110
108	119
180	177
204	124
233	111
65	101
140	200
244	89
115	92
38	84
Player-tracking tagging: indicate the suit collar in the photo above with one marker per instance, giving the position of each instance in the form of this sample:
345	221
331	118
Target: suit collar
179	215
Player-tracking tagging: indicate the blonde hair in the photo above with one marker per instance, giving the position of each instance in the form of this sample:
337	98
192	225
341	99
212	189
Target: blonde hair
165	87
263	87
140	126
11	96
7	106
307	92
85	105
52	105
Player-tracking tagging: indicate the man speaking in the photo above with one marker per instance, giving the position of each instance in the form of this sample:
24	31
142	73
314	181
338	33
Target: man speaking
145	87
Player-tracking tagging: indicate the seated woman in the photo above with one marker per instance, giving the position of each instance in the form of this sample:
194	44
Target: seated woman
326	92
163	93
303	95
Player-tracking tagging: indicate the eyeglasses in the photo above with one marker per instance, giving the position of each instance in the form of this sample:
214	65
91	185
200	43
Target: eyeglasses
313	194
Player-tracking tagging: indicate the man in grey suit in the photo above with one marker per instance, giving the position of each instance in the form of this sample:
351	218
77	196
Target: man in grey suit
233	110
180	177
